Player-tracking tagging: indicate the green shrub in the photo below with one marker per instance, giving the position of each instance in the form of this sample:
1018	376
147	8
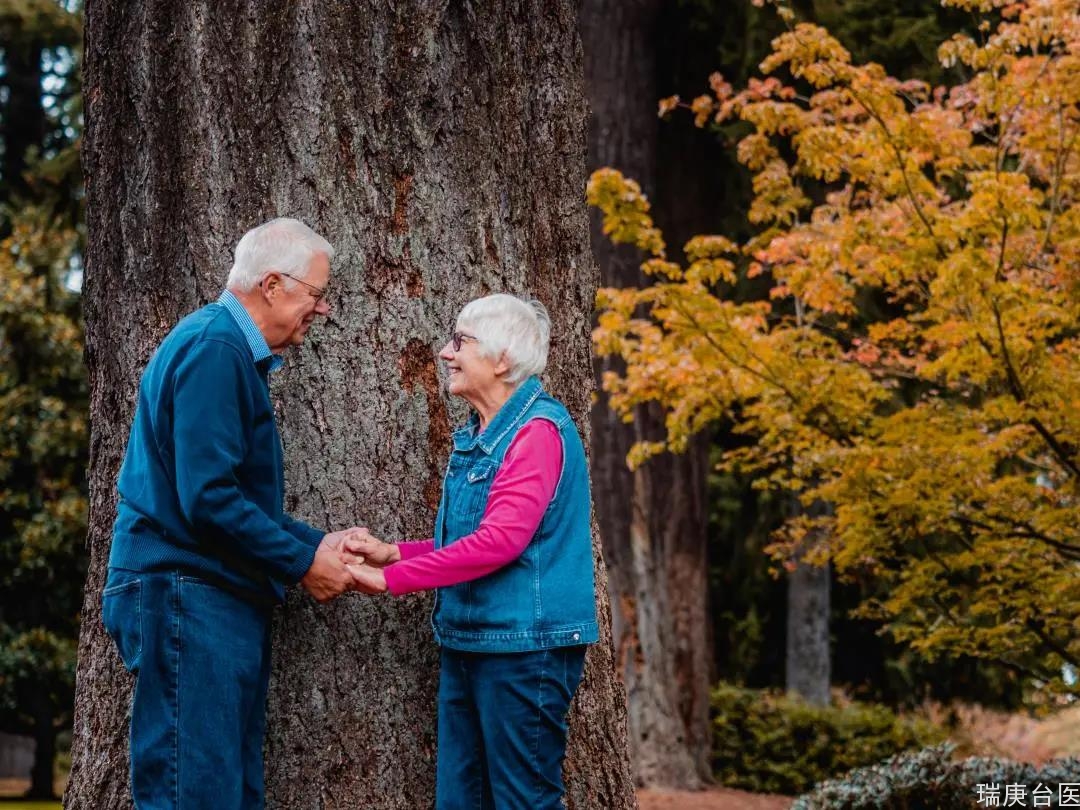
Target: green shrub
931	780
769	742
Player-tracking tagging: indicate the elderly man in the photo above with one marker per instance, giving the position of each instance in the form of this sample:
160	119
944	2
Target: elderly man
202	548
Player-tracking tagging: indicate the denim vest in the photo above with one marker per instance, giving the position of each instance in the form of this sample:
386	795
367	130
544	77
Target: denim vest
544	598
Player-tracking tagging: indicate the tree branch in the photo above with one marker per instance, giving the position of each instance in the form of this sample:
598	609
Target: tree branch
1050	644
1028	533
838	434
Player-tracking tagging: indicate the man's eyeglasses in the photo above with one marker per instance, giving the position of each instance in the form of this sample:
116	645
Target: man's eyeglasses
457	338
319	292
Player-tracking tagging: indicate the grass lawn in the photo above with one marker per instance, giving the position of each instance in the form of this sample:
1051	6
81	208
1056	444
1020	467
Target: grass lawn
12	791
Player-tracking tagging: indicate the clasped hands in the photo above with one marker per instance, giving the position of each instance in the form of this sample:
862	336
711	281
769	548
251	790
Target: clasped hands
349	560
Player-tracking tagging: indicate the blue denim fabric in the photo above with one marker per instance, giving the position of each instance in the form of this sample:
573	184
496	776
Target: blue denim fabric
545	598
502	728
201	659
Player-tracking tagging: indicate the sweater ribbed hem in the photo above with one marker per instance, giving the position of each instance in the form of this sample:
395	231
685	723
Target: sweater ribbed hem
149	552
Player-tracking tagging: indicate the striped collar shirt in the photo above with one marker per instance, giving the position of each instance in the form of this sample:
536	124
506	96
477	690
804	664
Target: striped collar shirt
260	349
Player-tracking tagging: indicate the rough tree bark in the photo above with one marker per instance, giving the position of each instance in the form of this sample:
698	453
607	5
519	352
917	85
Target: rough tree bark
440	146
808	670
652	521
808	663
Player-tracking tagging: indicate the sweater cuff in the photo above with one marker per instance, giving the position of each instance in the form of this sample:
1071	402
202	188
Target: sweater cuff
302	531
301	565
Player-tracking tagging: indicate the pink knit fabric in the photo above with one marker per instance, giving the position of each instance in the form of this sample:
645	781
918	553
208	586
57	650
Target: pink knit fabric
520	494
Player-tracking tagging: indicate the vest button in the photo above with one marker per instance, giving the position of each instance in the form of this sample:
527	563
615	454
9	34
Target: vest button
577	636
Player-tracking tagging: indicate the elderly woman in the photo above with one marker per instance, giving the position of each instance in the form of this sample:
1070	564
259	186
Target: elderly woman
511	565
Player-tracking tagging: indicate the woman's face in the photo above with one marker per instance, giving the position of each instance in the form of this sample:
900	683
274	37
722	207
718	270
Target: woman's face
472	375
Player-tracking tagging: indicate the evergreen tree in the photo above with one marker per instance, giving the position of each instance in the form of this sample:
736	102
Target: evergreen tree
43	395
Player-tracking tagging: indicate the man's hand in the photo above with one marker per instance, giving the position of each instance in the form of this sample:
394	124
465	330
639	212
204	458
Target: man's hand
336	540
328	577
367	579
363	547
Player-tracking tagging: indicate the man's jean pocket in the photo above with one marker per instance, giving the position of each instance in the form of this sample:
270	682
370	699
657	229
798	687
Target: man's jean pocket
121	613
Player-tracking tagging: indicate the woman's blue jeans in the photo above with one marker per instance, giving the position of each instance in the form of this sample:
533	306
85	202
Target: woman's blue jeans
201	659
502	728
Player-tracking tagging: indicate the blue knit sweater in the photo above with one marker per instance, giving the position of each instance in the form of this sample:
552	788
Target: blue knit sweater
202	484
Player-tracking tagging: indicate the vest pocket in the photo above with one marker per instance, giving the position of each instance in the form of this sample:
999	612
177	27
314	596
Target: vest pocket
475	488
121	613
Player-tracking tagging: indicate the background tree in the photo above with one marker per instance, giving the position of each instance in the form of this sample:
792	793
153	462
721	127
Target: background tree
764	634
40	40
440	147
42	485
635	52
703	180
43	399
915	361
652	519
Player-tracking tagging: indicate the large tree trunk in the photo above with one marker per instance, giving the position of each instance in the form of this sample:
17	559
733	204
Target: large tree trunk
441	148
22	124
41	775
652	521
808	670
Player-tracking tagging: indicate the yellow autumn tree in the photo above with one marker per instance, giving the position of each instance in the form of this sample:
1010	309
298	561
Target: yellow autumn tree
916	364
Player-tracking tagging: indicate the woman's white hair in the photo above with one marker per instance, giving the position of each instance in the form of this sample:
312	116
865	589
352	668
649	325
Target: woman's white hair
283	244
508	326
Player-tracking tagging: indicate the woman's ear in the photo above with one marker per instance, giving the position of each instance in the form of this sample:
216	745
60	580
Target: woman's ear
502	365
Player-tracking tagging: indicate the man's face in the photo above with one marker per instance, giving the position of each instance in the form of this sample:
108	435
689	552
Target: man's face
292	309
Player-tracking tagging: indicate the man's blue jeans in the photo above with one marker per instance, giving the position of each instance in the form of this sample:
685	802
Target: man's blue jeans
201	657
502	728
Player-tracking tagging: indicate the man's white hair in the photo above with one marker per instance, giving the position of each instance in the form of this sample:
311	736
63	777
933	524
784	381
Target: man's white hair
283	244
508	326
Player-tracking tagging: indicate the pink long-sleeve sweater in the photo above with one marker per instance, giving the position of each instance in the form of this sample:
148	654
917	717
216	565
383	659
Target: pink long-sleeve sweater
520	493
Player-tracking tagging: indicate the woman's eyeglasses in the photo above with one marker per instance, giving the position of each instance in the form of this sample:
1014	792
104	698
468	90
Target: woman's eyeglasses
457	338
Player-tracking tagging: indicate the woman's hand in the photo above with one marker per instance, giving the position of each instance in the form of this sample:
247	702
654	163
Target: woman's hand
363	547
367	579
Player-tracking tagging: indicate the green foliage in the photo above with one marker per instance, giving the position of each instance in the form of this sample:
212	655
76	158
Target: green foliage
40	105
43	457
770	742
49	22
37	669
931	780
748	603
43	392
900	35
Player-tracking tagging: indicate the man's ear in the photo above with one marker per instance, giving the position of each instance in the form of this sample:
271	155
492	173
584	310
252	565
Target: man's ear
270	285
